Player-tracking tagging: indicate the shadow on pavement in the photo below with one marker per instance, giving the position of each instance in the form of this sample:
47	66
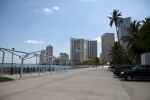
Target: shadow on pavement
136	80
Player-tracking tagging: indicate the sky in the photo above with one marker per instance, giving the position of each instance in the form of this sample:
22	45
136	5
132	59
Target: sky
31	25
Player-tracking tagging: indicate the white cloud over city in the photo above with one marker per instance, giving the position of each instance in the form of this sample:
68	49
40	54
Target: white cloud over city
47	11
55	8
34	42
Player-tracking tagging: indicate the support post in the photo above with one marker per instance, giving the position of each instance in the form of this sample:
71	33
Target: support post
39	71
36	63
12	62
2	64
21	71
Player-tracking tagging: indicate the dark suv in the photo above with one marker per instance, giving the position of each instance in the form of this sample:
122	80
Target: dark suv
111	67
142	71
119	68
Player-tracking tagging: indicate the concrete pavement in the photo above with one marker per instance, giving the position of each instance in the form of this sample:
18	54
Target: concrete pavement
82	84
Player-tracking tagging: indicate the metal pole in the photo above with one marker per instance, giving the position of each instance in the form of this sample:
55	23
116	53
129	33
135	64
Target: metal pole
12	62
21	71
39	71
2	63
38	67
59	61
22	60
36	63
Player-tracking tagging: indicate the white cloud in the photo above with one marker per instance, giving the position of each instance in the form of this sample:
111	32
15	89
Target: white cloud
47	11
86	0
98	39
56	8
33	42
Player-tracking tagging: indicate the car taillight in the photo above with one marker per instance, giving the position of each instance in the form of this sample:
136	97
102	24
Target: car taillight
115	70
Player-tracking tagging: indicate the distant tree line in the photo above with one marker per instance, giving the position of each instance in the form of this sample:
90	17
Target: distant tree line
93	61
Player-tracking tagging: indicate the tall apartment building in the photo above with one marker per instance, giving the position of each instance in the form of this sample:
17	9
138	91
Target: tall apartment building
123	32
76	57
42	57
64	59
91	48
49	53
107	41
88	47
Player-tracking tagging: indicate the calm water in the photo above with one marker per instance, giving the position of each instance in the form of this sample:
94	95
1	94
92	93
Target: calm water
56	67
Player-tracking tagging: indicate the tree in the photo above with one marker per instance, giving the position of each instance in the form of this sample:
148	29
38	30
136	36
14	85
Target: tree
146	20
114	53
116	19
93	61
96	61
144	37
132	38
132	33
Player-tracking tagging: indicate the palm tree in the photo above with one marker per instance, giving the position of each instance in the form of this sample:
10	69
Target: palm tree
132	33
132	38
146	20
116	19
114	53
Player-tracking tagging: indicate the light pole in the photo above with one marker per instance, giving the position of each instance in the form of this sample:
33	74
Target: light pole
12	62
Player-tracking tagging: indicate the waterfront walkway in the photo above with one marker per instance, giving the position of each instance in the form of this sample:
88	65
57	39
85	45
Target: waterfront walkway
81	84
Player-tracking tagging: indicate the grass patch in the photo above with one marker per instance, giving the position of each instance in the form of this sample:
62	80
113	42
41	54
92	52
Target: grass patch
4	79
111	70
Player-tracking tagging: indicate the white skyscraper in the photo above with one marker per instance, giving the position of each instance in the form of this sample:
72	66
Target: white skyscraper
107	41
49	54
43	57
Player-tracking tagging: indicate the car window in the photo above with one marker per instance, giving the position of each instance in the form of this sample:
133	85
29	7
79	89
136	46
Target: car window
142	68
134	68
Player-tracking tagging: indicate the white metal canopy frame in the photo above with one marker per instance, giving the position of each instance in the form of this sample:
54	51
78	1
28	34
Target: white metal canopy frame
24	56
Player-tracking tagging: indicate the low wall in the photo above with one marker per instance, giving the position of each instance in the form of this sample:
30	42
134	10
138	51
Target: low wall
7	70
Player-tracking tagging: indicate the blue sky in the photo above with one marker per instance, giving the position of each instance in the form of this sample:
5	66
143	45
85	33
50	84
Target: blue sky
31	25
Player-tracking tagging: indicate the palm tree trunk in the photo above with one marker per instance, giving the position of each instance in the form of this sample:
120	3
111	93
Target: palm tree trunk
119	44
117	35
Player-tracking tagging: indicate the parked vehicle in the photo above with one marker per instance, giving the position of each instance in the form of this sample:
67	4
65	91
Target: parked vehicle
142	71
111	67
119	68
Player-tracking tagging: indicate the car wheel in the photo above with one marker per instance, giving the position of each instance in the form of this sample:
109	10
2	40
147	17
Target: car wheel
129	78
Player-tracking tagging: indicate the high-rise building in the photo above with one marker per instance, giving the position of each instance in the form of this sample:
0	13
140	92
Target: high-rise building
42	57
91	48
76	57
49	54
64	59
123	32
100	56
88	47
107	41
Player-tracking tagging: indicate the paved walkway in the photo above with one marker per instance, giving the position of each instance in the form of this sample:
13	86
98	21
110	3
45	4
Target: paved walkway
82	84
